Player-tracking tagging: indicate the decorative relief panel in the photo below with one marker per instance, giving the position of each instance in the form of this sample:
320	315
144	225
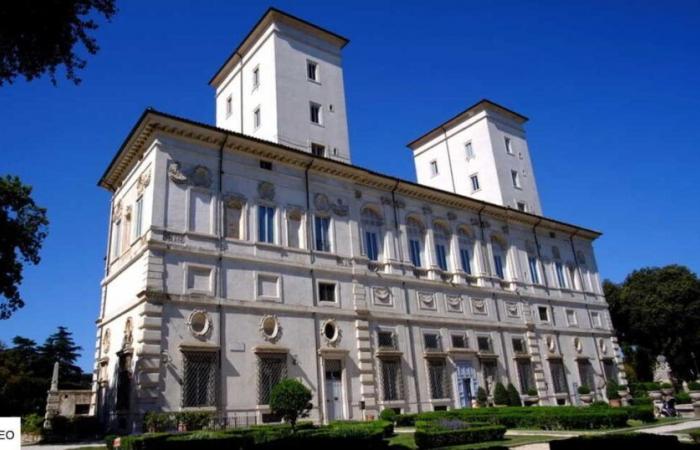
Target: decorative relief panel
117	211
175	173
426	300
233	200
266	190
143	181
321	202
513	309
479	306
382	296
453	302
201	177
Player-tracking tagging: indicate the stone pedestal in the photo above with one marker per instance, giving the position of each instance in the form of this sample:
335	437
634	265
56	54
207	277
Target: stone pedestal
696	409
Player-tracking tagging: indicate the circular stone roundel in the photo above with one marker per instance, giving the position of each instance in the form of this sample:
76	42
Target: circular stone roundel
199	323
330	331
270	328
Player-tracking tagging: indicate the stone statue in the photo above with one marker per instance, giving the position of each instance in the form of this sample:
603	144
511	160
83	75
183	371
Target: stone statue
662	370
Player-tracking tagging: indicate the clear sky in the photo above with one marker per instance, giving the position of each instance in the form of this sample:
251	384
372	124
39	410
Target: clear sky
611	89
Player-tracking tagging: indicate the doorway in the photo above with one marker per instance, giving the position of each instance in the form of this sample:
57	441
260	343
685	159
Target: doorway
466	383
334	389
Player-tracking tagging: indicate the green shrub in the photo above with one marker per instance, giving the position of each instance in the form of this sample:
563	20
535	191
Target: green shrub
643	412
500	395
638	441
336	436
584	390
666	386
651	386
209	440
683	397
406	420
72	429
532	392
482	398
194	420
611	391
388	414
695	436
694	386
155	421
442	433
148	441
599	404
290	400
385	426
514	396
32	424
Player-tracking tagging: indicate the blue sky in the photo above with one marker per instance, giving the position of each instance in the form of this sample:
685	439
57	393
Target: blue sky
611	89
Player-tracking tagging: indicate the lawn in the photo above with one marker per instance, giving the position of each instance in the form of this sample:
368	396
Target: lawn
404	441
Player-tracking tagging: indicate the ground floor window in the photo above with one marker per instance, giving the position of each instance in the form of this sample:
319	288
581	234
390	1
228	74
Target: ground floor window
610	370
489	371
559	384
392	385
439	379
199	379
123	381
271	370
527	379
585	370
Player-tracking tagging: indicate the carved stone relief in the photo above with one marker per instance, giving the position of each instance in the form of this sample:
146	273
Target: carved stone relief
175	173
382	295
201	176
321	202
513	309
143	181
454	303
479	306
266	190
426	300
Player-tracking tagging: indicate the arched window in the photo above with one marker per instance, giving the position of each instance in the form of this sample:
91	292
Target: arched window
416	234
442	244
372	233
498	246
465	244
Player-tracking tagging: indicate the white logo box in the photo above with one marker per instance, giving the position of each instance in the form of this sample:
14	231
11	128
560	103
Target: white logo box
10	433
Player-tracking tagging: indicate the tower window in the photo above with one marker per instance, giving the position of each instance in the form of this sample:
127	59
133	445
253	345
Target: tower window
256	77
229	105
522	206
315	112
543	312
516	178
267	165
312	70
326	292
469	151
256	118
509	145
475	182
318	149
433	168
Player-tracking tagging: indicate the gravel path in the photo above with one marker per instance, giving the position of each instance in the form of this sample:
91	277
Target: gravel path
675	428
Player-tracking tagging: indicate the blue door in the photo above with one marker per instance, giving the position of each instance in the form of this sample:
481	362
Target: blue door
466	383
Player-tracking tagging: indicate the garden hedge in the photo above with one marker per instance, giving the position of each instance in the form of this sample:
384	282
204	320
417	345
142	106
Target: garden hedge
446	432
636	441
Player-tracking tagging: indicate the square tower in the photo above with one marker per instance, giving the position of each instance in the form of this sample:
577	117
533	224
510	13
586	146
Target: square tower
482	152
284	83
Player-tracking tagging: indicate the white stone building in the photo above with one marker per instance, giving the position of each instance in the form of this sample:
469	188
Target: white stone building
253	250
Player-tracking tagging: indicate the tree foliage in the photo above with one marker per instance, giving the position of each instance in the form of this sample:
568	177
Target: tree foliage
26	370
23	227
39	36
656	311
290	400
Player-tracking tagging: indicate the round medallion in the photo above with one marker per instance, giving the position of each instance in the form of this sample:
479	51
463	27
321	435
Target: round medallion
330	332
199	323
270	328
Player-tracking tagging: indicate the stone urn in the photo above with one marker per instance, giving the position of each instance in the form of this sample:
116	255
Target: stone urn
655	395
530	400
665	390
586	398
615	402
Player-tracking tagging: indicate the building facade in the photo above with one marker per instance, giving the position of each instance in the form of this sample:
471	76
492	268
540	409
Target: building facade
237	258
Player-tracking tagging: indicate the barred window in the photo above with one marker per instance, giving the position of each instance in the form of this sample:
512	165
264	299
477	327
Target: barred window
610	370
519	345
558	376
386	339
490	374
484	343
432	341
271	370
439	379
392	385
527	379
585	371
459	341
199	384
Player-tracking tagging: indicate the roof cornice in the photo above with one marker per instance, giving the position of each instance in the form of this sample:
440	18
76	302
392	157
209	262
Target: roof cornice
153	122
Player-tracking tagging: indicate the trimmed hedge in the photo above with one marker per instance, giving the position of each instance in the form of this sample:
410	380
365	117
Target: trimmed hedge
446	432
406	420
637	441
337	436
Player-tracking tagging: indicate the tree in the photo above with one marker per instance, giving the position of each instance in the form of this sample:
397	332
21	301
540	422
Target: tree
514	396
482	398
39	36
290	400
60	347
500	395
656	311
23	227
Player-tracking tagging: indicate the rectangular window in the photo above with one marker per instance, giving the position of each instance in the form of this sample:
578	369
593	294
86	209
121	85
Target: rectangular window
519	345
498	265
469	151
116	238
433	168
515	177
527	377
490	374
315	112
256	118
386	339
534	273
464	259
318	150
326	292
271	370
322	227
229	105
256	77
610	370
199	384
439	379
459	341
543	313
138	219
414	247
232	217
266	224
392	385
312	70
266	165
571	319
371	245
484	344
561	278
509	145
522	206
475	182
294	237
585	372
431	342
556	367
441	255
595	320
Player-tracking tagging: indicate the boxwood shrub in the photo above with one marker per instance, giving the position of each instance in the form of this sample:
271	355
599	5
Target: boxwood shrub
406	420
637	441
448	432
